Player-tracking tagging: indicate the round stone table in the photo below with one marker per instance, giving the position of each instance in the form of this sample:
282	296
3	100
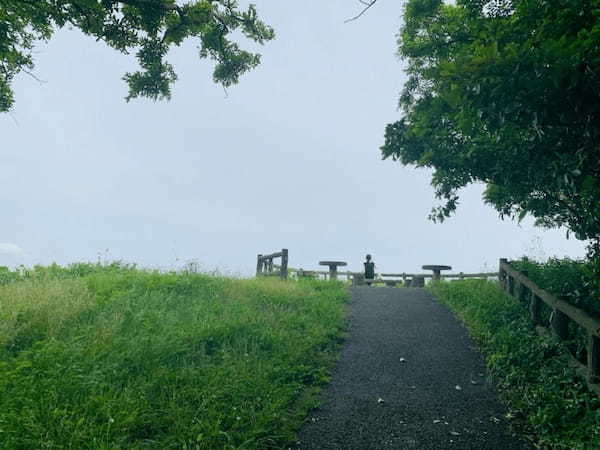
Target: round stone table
436	270
333	265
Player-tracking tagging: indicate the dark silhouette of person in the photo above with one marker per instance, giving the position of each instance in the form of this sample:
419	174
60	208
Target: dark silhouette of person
369	270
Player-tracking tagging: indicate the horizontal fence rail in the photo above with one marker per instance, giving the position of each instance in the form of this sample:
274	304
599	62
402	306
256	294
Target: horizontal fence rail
518	285
389	278
444	275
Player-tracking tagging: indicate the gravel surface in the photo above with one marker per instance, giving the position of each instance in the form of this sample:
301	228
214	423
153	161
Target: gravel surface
408	377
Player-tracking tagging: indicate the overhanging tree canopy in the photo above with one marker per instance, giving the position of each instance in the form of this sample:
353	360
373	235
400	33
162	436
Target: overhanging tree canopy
506	93
148	27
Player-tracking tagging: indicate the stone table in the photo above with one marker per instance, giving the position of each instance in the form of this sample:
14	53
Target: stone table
333	265
436	270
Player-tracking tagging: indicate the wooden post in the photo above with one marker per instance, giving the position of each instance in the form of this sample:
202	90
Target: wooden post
535	309
560	324
284	264
593	352
511	285
259	265
502	273
523	292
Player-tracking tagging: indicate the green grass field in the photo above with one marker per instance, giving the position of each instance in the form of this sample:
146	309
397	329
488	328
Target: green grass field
539	386
110	357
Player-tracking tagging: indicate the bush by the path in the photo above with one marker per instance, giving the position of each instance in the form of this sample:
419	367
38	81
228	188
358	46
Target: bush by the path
554	401
112	357
567	278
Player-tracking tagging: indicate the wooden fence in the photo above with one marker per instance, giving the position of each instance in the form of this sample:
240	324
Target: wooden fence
389	279
265	266
418	279
518	285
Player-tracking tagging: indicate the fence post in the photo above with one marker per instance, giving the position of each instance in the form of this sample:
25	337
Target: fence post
259	265
511	285
284	264
502	273
522	292
535	309
560	324
593	352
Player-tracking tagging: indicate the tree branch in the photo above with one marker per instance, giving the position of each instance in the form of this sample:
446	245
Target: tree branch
367	4
39	80
140	3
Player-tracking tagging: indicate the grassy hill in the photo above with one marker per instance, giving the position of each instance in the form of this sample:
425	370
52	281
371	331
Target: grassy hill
107	357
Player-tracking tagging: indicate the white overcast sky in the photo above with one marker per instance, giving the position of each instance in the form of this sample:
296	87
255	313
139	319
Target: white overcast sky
288	158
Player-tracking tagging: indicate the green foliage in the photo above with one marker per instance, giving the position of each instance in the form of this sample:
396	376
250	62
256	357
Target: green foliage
148	27
506	93
536	383
572	281
114	357
591	272
566	278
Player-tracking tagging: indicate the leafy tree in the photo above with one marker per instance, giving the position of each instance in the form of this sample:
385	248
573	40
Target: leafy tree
506	93
148	27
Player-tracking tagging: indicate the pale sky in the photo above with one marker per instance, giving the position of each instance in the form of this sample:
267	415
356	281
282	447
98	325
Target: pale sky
289	158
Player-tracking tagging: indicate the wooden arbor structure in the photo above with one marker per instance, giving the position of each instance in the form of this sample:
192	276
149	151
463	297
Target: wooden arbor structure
265	266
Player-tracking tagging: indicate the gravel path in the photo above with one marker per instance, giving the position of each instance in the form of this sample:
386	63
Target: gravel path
408	377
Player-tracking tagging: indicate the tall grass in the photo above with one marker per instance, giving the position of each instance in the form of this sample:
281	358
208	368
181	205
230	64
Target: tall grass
107	358
537	384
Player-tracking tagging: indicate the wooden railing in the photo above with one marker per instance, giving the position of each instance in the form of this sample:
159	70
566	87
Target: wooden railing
459	276
265	266
389	279
518	285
